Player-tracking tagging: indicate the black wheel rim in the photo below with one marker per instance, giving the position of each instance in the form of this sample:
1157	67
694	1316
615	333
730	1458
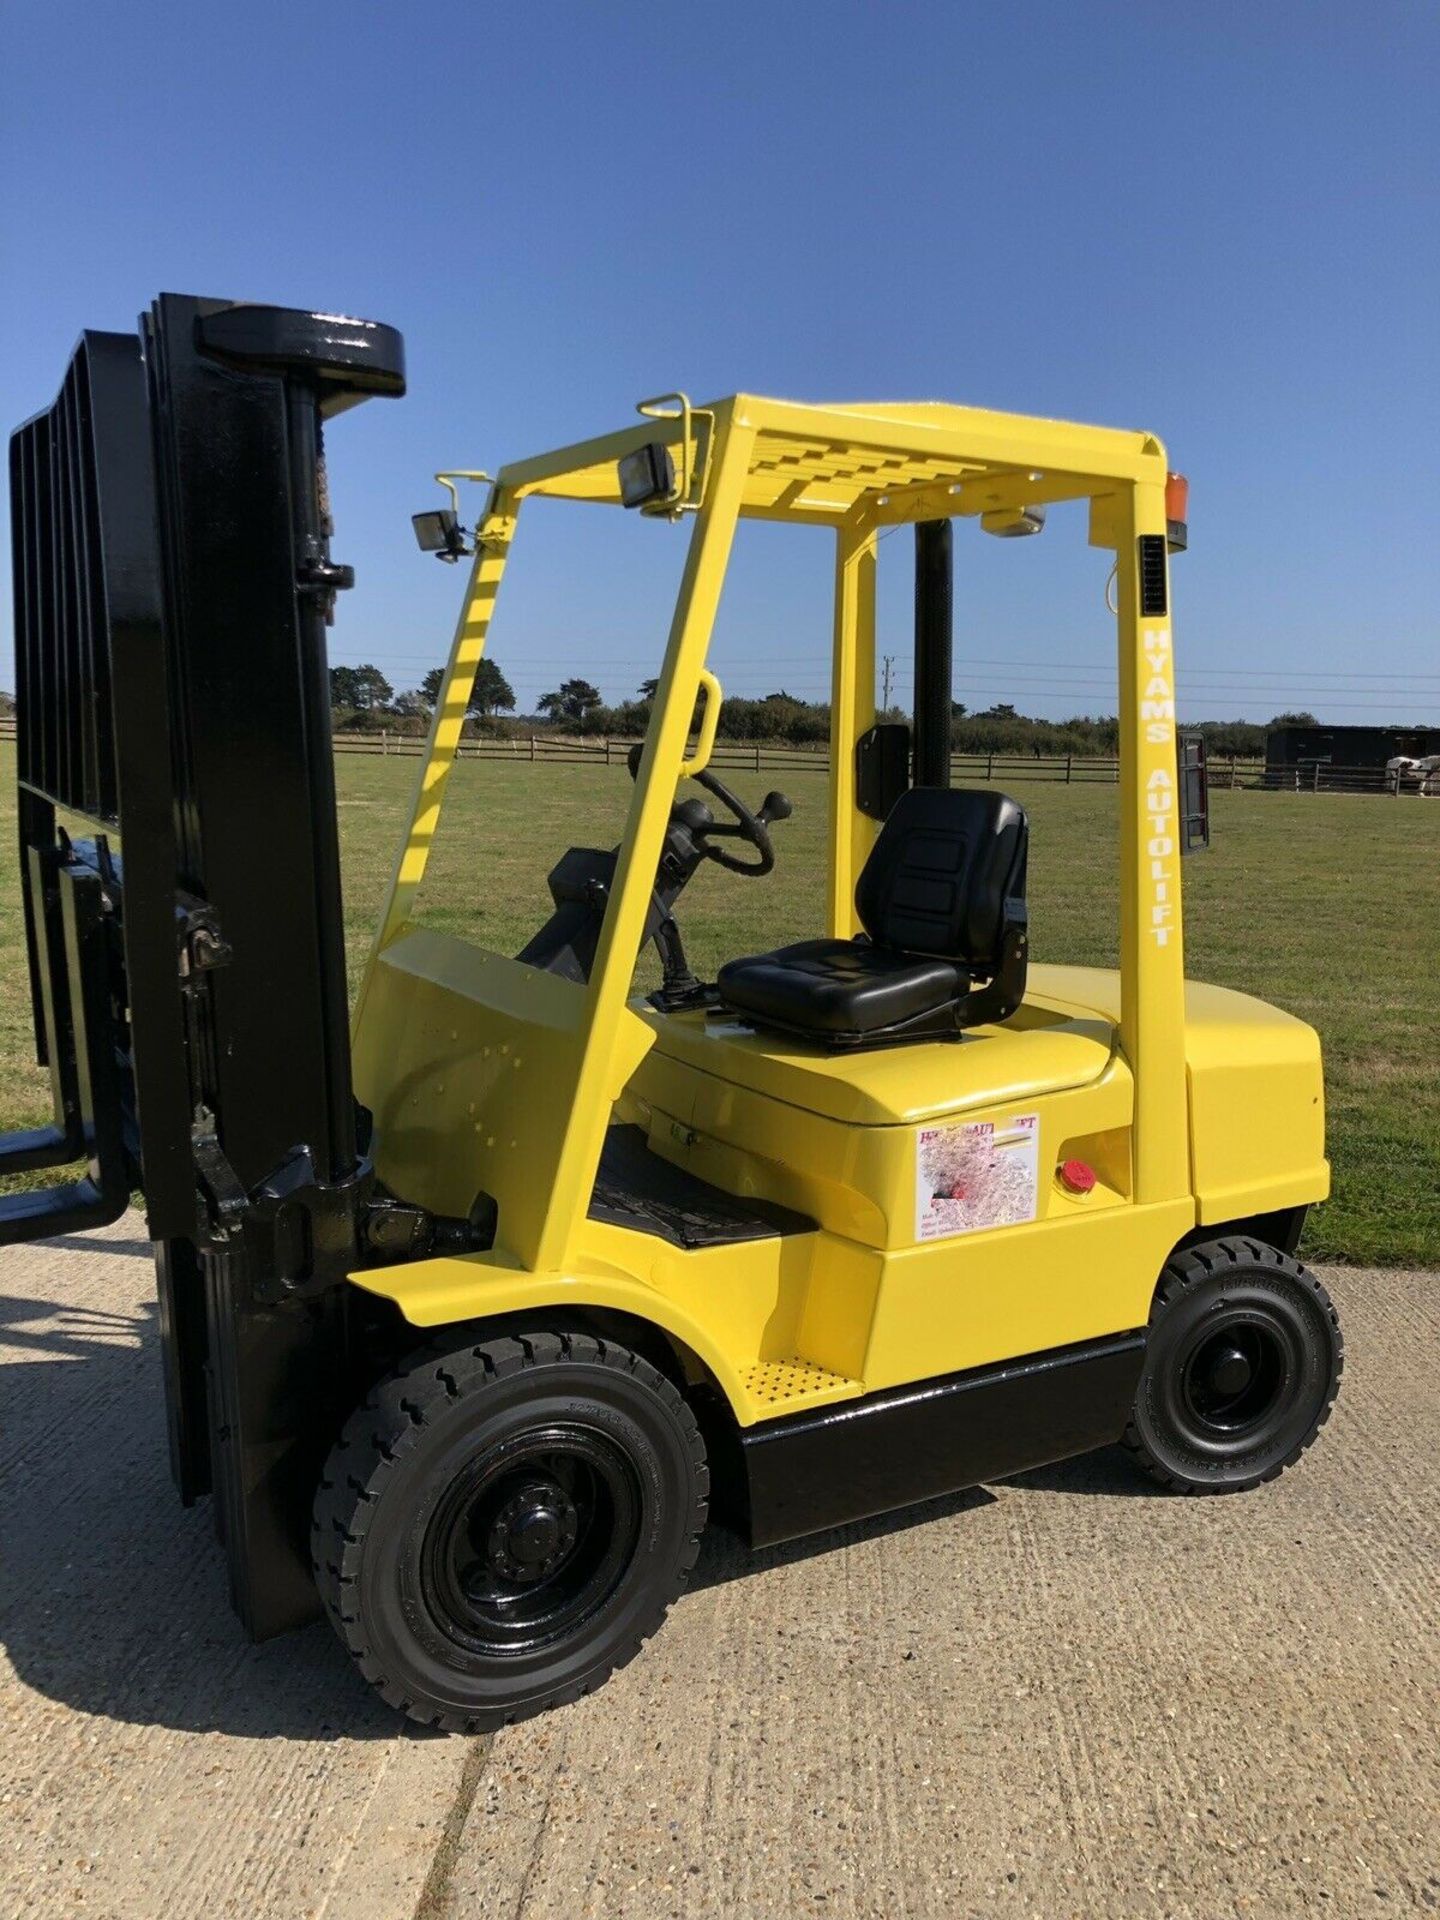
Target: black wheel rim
530	1540
1233	1380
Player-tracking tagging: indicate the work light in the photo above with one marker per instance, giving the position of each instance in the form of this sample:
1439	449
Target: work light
1013	523
647	476
439	531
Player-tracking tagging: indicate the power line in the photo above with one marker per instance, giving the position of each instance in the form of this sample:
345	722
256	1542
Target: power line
986	675
899	685
1015	663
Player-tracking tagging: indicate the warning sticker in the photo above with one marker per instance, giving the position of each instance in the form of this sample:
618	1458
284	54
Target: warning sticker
976	1175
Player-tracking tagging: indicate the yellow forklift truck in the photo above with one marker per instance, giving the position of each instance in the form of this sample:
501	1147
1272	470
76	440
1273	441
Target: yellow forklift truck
471	1311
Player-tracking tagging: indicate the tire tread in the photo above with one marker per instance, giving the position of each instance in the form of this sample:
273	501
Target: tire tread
1185	1270
387	1426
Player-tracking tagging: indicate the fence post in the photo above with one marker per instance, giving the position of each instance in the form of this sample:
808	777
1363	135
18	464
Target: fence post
532	746
989	768
1068	759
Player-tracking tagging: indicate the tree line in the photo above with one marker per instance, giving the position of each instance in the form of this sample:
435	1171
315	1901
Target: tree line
364	699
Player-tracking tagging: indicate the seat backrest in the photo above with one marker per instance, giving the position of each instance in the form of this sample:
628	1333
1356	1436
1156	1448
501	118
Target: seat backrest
939	876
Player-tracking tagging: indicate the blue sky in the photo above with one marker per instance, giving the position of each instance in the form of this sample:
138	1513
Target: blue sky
1218	223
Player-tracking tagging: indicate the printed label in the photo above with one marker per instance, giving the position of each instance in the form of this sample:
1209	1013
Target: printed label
976	1175
1157	710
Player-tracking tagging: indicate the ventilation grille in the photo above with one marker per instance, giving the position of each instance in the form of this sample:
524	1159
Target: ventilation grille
62	652
1154	599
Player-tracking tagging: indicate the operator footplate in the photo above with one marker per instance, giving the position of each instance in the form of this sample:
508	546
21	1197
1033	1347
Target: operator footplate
635	1188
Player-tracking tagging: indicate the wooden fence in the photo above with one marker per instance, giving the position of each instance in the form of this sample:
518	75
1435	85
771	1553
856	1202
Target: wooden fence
738	756
1320	776
1068	769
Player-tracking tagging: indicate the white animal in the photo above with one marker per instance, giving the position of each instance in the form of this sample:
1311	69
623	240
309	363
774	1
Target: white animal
1426	774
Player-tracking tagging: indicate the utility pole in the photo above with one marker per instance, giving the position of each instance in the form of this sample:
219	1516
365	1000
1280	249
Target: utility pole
889	664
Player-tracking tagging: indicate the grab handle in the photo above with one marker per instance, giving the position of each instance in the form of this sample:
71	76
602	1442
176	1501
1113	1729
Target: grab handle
709	723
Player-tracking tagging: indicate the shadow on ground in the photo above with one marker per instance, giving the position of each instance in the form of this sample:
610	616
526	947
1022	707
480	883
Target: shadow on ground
97	1243
1110	1471
112	1596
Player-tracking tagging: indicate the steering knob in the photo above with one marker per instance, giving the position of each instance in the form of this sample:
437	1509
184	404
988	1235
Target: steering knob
775	806
694	815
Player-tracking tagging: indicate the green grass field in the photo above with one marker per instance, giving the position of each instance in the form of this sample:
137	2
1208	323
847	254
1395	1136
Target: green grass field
1328	905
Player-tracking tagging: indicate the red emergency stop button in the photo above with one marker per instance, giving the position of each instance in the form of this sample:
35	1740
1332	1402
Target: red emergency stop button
1078	1176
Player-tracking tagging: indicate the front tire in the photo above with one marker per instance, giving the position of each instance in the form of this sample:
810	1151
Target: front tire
501	1527
1242	1366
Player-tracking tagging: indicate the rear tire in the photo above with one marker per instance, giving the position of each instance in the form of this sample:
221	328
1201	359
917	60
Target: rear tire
1242	1366
501	1527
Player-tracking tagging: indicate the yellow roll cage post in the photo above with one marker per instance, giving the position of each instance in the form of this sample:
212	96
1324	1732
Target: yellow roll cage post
540	1062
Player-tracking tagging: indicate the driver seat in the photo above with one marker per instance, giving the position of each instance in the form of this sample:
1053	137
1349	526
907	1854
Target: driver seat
942	902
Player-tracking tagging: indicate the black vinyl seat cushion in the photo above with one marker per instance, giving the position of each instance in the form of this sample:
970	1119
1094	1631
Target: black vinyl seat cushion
942	901
840	986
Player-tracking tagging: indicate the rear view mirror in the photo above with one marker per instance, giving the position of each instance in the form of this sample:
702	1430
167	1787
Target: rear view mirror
882	767
1194	791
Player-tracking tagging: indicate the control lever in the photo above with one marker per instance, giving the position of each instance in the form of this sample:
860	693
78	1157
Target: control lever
775	806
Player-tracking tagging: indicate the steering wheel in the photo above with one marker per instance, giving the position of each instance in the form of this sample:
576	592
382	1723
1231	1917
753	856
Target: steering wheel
751	828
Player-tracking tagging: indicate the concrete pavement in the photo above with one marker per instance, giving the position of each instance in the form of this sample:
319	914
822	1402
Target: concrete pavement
1061	1696
151	1762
